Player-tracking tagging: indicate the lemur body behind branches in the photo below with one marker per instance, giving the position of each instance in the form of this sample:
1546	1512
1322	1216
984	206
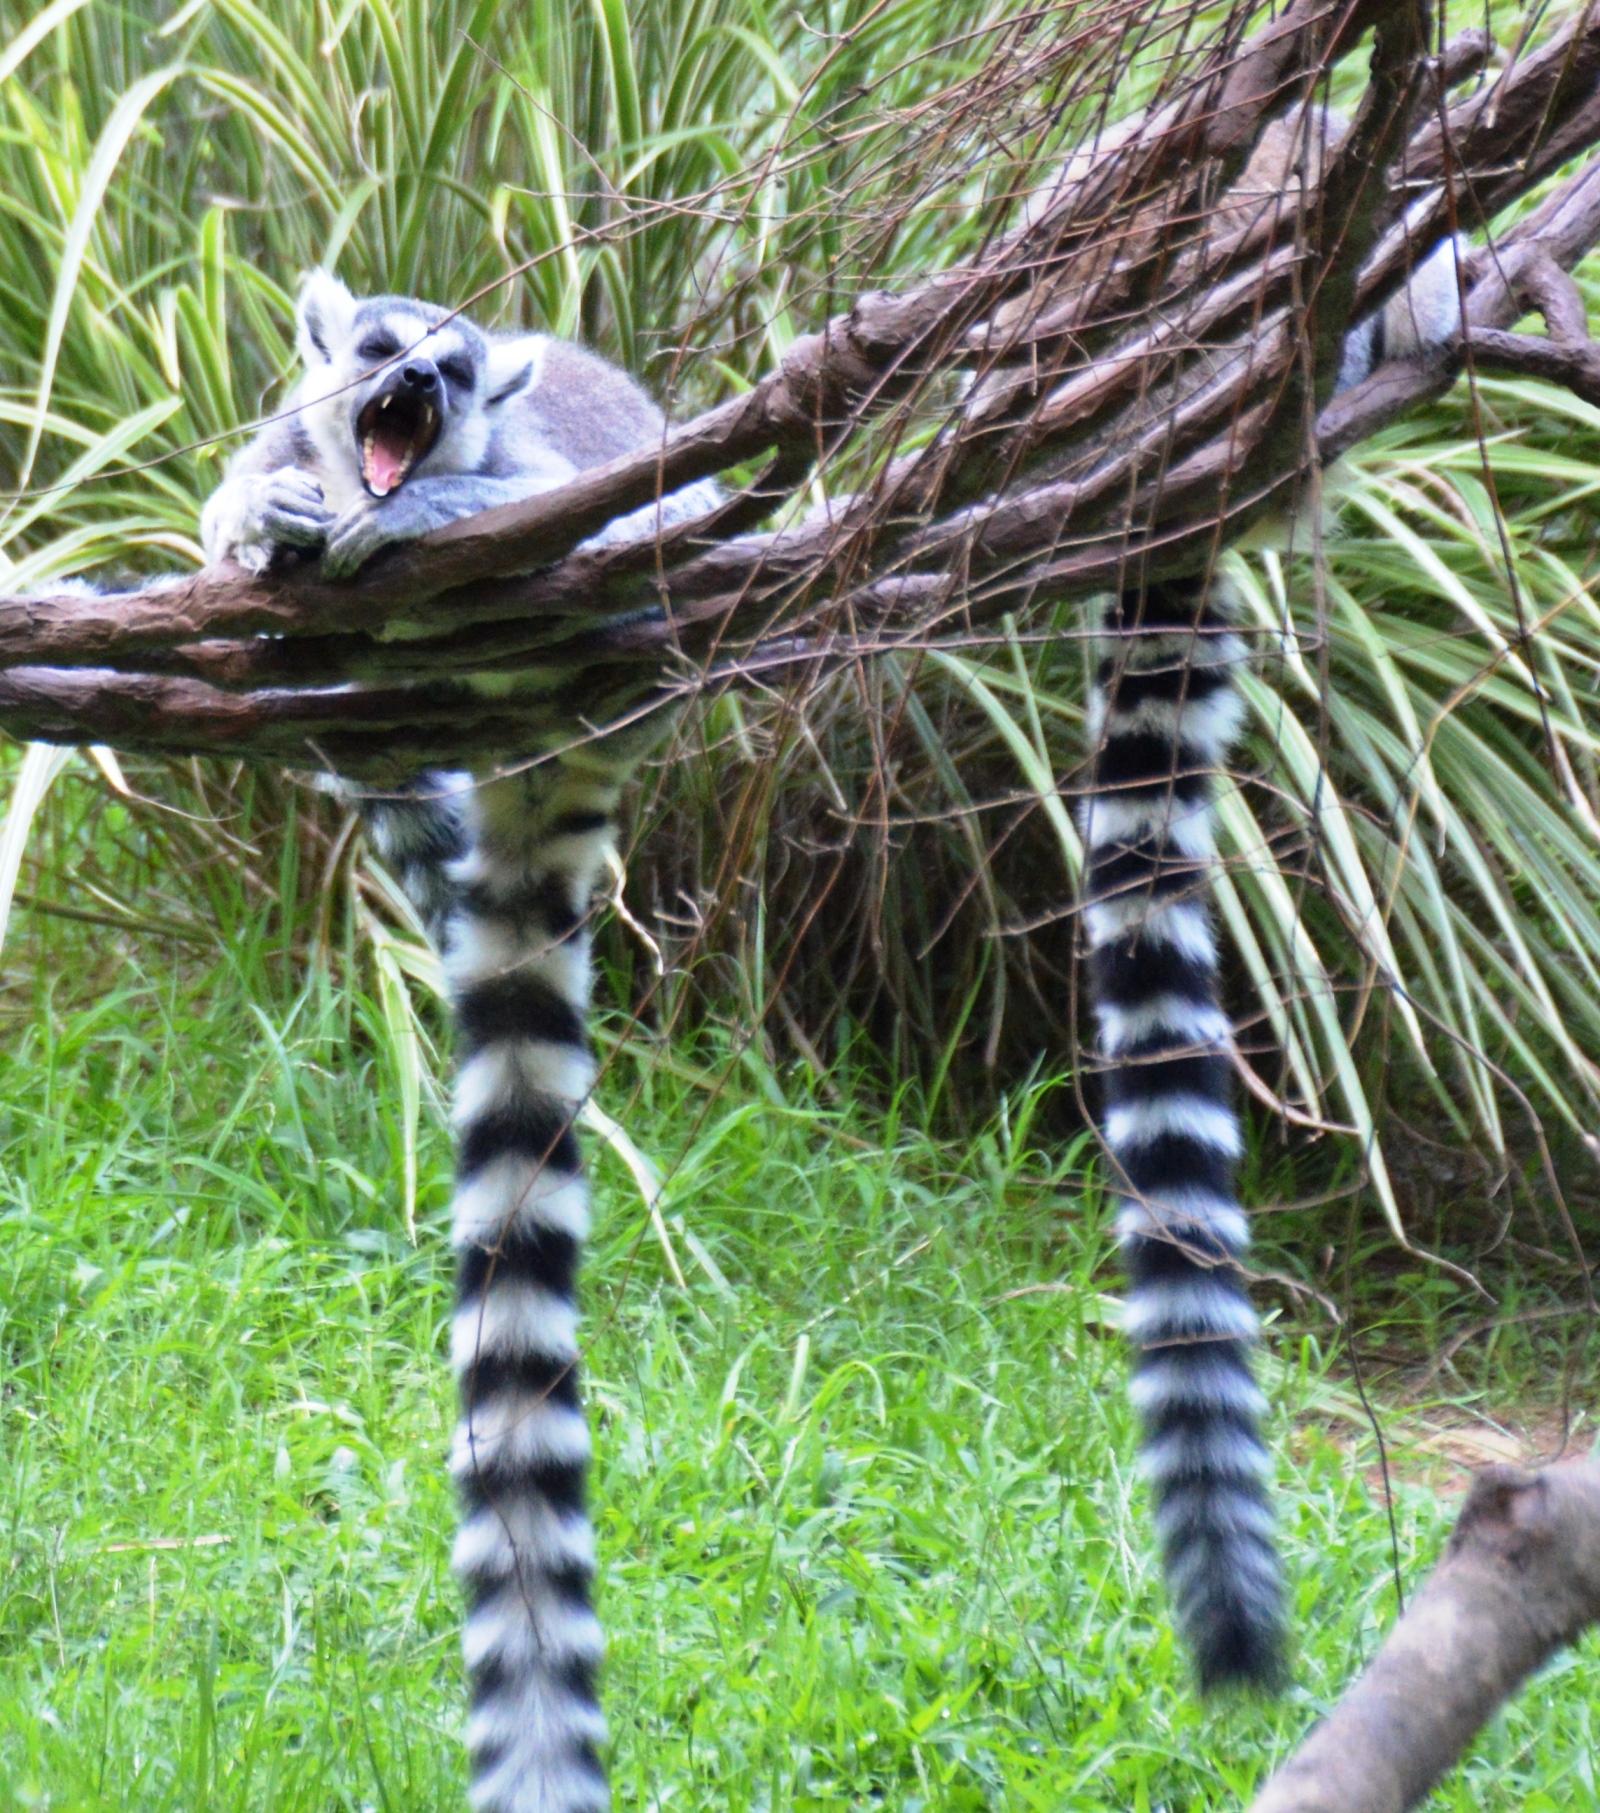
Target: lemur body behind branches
407	419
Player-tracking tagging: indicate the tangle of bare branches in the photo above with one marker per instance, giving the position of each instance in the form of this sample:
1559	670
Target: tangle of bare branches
1122	382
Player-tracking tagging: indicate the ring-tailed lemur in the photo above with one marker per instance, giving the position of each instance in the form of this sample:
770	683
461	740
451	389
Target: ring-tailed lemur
407	419
1164	712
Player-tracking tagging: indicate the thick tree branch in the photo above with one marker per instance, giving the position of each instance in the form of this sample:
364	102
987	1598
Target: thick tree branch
1575	368
1520	1580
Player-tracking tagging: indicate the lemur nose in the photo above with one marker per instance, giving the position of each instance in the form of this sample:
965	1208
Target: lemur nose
420	377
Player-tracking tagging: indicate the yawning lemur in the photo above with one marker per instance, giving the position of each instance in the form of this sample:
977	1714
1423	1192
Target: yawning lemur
407	419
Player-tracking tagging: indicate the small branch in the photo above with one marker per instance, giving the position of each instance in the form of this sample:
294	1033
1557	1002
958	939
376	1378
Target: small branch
1574	367
1520	1579
1545	286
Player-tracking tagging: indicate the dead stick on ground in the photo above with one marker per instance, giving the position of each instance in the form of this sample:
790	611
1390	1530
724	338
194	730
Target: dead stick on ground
1520	1580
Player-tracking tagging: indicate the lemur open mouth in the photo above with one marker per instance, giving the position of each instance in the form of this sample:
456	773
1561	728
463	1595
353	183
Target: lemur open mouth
395	432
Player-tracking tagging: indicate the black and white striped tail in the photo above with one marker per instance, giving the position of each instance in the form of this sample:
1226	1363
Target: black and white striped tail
420	830
516	958
1163	715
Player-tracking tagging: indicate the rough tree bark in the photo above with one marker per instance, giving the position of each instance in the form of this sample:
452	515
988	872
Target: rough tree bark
1520	1579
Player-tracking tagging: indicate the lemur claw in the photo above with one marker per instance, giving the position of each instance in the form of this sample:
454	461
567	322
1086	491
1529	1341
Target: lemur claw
290	509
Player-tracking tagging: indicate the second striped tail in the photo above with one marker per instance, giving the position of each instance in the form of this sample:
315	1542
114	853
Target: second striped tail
1163	716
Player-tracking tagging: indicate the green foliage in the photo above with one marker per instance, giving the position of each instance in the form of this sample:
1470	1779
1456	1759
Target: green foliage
864	1482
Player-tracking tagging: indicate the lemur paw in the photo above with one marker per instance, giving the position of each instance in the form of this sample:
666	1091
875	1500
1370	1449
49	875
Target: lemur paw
288	511
252	518
356	535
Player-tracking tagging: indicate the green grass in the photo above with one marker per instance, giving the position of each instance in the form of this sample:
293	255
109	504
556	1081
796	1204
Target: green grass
865	1488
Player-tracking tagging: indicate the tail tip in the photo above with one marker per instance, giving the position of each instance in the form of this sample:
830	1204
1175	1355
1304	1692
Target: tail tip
1243	1655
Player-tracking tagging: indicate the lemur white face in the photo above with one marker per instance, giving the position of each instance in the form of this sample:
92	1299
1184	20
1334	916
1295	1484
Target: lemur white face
394	386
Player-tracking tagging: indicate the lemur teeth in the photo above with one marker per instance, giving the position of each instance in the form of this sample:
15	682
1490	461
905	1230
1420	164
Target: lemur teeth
367	445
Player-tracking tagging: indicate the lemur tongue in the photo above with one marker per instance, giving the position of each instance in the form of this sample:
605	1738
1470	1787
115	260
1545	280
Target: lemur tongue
386	459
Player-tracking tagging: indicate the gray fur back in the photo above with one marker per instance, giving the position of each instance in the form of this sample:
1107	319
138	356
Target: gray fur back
588	410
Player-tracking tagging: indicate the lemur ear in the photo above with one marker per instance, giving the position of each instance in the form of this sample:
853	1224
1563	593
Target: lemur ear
323	317
513	365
